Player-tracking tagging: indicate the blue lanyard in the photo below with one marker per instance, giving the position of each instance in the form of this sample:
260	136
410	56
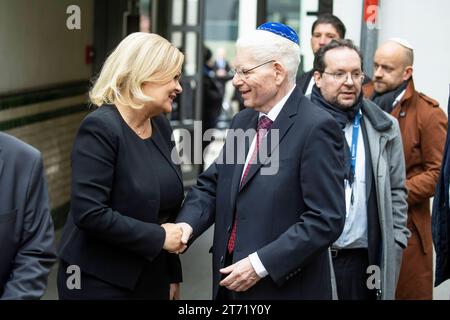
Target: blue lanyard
356	124
354	148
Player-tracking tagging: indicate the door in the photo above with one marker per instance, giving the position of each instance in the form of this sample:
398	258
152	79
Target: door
113	21
181	22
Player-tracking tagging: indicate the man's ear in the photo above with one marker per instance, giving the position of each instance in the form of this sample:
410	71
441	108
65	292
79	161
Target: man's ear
407	74
280	73
318	79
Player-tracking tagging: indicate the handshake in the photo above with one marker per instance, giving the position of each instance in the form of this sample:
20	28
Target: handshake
177	236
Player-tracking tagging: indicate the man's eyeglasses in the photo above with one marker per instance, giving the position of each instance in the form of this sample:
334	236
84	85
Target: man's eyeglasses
357	76
242	73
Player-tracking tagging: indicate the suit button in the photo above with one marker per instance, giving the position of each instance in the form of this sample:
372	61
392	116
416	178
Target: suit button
229	228
221	259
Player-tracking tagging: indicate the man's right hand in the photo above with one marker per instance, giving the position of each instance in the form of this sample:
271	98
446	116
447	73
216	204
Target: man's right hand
187	232
173	242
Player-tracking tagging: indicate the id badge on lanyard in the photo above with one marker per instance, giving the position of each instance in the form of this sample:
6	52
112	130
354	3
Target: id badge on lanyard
350	188
348	197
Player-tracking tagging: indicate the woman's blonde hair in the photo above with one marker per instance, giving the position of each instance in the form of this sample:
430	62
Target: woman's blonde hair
140	57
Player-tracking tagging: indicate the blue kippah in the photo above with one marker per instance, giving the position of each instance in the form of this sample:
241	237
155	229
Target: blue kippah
281	30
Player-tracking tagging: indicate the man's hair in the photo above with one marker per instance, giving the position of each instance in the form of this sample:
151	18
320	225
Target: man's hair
266	46
207	54
409	57
329	18
319	58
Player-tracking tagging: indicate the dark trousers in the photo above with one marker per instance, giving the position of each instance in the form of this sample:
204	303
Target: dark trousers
350	268
92	288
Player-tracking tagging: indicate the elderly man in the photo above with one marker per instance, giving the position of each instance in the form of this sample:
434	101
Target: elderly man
26	229
423	126
272	227
367	255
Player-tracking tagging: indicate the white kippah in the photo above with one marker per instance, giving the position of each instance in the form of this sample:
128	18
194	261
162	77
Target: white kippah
403	42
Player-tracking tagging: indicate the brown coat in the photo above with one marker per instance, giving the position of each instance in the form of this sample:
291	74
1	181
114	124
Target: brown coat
368	89
423	126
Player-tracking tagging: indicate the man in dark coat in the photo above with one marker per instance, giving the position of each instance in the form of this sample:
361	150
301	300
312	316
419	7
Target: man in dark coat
275	211
26	230
441	217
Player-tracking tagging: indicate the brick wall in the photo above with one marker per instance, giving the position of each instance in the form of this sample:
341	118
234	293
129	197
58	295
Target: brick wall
50	126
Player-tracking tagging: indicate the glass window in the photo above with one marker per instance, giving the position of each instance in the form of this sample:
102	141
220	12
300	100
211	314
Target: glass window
177	12
177	39
221	20
284	11
191	54
144	16
192	12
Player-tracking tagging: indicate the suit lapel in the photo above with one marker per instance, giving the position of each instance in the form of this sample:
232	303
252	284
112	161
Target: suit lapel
282	124
163	147
251	123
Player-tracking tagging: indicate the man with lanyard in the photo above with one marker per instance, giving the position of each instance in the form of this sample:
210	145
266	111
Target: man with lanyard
375	232
423	127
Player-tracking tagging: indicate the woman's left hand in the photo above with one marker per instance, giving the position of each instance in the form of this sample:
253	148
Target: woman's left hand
175	291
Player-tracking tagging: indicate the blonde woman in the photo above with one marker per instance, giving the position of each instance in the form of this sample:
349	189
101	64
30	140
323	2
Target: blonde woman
125	187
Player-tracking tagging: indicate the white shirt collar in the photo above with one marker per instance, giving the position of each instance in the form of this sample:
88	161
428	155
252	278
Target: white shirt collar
399	98
275	111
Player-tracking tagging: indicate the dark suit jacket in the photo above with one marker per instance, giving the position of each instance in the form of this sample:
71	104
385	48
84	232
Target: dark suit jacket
304	79
26	230
441	216
112	229
289	218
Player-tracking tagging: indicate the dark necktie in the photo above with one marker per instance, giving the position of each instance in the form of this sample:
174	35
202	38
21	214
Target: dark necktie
264	124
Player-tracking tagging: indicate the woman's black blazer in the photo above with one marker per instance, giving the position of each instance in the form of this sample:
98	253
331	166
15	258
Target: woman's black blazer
112	229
